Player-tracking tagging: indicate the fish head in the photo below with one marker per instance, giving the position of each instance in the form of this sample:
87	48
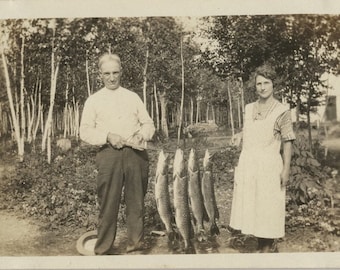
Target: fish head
178	167
162	164
192	161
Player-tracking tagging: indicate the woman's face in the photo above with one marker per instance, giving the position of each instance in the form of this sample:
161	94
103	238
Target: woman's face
264	87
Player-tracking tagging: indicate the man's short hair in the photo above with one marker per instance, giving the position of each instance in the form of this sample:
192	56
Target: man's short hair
109	57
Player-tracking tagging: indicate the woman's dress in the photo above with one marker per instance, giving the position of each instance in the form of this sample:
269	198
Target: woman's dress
258	206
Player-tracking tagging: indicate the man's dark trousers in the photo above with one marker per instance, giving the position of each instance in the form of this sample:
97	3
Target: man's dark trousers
117	168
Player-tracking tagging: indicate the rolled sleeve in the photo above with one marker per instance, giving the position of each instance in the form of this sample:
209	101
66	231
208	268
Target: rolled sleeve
284	127
147	131
147	128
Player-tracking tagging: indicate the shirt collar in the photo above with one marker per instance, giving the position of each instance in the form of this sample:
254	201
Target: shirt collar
113	91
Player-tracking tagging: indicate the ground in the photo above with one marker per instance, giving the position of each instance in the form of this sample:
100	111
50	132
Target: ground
24	236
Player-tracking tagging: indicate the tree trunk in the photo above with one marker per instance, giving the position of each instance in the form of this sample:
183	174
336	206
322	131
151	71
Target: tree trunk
87	75
39	113
308	117
164	123
145	77
213	113
191	111
22	95
182	97
207	113
2	122
198	110
77	120
42	119
239	113
14	119
218	115
152	108
242	98
30	107
32	112
49	120
156	106
297	111
12	128
48	127
65	115
231	111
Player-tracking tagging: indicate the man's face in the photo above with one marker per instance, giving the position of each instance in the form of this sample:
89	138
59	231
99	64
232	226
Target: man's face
264	87
111	74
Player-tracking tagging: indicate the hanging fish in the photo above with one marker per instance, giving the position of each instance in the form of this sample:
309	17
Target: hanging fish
195	196
162	194
181	202
209	194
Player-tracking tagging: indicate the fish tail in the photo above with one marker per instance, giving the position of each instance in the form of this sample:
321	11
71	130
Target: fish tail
205	214
189	247
214	230
172	236
201	236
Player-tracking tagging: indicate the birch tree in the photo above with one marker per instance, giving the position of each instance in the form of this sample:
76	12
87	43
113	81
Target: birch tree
13	41
46	139
15	120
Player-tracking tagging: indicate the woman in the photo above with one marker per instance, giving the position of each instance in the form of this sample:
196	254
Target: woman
258	206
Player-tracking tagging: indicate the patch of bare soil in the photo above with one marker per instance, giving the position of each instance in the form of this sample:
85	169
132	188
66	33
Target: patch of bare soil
24	237
16	235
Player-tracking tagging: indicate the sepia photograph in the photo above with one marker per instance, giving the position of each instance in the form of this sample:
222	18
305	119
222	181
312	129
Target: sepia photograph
156	134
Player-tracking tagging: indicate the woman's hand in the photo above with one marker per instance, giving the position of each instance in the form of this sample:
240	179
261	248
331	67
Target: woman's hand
284	175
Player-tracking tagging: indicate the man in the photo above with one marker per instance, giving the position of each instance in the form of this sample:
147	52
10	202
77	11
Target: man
116	119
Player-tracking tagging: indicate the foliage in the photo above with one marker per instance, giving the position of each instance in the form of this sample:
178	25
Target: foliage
300	47
313	214
307	175
61	194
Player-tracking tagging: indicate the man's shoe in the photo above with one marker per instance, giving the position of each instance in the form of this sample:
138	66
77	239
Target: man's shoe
138	247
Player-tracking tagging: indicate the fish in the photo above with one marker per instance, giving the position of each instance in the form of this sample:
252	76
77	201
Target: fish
208	193
162	195
181	200
195	196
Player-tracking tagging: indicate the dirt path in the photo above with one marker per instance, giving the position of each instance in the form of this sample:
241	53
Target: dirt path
24	237
16	235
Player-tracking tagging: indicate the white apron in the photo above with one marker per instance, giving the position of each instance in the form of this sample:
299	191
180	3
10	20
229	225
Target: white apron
258	206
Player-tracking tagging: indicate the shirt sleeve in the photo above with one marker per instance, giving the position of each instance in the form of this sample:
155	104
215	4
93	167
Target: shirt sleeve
88	131
147	128
284	127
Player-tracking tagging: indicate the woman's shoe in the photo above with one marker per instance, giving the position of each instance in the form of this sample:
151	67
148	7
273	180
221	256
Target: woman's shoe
268	246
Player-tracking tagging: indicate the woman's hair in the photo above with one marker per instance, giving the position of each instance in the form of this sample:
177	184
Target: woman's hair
266	71
108	57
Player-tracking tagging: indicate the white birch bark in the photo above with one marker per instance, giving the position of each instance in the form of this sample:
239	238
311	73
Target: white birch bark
156	106
14	118
182	97
89	92
231	111
145	77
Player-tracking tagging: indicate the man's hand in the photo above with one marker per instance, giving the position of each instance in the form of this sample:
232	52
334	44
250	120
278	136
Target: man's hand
136	142
284	175
138	138
115	140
